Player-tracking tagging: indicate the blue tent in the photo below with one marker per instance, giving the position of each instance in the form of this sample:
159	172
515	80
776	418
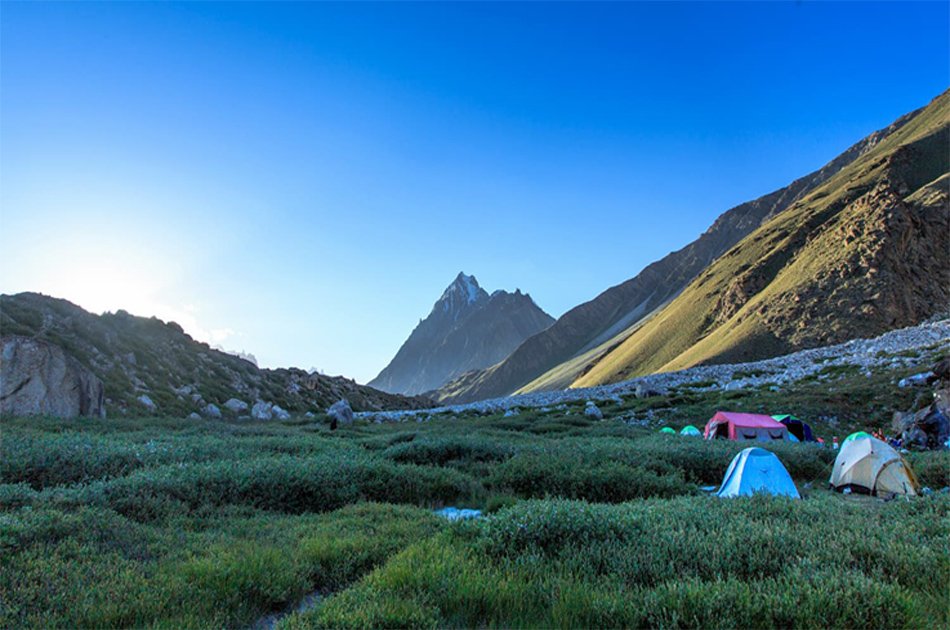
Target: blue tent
796	427
757	471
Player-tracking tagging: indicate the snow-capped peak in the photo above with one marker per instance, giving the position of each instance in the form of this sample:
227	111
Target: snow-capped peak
463	291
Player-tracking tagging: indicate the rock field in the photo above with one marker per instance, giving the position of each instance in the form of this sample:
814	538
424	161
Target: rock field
881	352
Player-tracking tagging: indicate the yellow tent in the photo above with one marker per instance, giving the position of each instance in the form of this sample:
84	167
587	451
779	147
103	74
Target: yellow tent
870	466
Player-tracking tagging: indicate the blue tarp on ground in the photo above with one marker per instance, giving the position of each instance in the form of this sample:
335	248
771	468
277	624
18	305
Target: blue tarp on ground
757	471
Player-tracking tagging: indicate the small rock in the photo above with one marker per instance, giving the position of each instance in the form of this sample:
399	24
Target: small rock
147	402
592	411
211	411
511	412
309	414
194	416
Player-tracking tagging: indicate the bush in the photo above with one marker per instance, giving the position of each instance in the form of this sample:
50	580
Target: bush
439	451
696	562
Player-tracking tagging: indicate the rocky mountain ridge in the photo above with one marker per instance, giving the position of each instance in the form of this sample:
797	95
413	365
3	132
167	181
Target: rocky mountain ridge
583	337
467	329
147	366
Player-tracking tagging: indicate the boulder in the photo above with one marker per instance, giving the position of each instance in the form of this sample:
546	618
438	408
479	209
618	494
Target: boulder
211	411
194	416
341	412
925	429
642	391
262	410
593	411
147	403
280	414
38	377
917	379
235	405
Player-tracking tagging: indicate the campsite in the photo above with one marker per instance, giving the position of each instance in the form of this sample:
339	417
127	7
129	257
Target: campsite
225	524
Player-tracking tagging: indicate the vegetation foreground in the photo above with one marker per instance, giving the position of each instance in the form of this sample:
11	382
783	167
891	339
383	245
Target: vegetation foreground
172	523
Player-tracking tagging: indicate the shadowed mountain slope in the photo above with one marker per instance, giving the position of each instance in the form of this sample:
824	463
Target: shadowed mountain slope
467	329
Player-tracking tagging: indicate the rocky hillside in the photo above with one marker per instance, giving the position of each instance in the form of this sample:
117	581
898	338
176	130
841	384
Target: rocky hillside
866	252
467	329
582	337
148	366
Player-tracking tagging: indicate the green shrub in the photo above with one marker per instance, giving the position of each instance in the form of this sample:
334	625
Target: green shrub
696	562
439	451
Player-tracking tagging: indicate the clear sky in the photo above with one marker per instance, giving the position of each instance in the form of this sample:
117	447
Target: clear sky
301	181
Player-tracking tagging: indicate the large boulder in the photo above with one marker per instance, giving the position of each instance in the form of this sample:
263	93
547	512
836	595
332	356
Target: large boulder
341	411
262	410
235	405
592	411
38	377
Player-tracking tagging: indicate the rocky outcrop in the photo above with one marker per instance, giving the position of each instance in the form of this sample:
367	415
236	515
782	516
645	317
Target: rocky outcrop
144	356
37	377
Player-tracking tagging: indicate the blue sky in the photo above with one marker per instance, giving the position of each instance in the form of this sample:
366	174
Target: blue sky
301	181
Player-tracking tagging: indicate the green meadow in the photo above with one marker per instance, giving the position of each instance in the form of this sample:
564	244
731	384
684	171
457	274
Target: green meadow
169	523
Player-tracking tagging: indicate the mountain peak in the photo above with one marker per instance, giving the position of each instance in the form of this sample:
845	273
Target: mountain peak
467	329
463	291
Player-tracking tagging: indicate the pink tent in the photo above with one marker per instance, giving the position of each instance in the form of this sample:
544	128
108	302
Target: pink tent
745	426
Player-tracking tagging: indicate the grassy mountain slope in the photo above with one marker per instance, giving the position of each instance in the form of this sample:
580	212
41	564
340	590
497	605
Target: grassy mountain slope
554	356
866	252
137	355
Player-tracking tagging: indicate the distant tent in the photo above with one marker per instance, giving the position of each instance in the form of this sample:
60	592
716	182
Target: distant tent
870	466
757	471
691	431
744	426
668	430
855	436
796	427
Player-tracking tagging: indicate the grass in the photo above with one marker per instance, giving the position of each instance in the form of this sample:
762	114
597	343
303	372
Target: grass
179	524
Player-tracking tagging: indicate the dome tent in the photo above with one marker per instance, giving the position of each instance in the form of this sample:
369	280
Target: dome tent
855	436
757	471
870	466
668	430
691	431
745	426
801	430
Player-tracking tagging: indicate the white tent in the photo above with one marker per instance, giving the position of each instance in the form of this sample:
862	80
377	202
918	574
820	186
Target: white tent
757	471
871	466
